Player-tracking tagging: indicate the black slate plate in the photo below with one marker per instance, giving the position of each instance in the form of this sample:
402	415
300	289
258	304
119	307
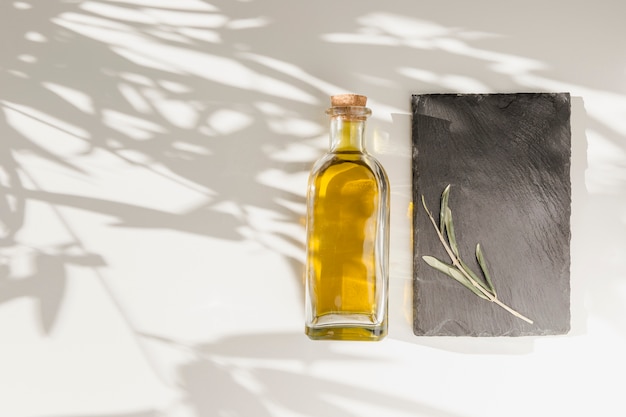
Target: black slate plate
507	159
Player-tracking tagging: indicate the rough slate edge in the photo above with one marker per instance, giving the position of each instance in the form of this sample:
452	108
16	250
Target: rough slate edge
524	228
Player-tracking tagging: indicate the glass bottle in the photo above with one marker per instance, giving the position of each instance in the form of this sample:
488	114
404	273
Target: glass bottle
346	281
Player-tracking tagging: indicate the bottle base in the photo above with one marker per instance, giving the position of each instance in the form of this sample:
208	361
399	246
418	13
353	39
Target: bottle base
365	334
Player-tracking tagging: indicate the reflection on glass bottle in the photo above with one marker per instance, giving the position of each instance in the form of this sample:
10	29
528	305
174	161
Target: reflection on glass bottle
347	233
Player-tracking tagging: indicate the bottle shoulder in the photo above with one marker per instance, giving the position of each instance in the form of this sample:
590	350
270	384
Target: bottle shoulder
365	160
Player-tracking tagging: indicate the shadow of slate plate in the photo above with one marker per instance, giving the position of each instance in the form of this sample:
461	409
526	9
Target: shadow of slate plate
507	159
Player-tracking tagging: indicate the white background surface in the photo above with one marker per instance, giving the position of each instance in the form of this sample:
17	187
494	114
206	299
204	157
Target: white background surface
154	156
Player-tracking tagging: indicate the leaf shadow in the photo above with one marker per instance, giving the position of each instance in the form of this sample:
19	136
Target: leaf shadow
252	373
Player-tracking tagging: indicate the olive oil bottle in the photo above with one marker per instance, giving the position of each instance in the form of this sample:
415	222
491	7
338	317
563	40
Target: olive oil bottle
347	233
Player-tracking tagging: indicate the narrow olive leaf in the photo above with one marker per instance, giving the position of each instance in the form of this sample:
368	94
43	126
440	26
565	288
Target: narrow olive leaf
452	272
483	265
443	213
450	231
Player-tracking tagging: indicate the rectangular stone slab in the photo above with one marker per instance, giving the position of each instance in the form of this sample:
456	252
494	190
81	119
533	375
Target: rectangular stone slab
507	159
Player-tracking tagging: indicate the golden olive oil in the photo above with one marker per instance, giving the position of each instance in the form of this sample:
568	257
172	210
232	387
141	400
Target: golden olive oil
347	237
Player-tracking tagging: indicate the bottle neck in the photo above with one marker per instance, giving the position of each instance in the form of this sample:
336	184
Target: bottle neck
347	128
347	135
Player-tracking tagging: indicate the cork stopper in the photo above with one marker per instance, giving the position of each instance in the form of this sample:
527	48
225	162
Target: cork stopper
348	100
